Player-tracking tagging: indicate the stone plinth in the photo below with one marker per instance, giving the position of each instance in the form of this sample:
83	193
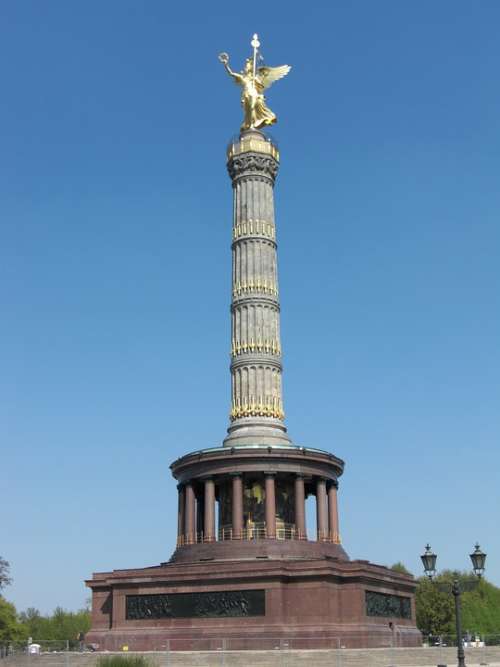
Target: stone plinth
303	600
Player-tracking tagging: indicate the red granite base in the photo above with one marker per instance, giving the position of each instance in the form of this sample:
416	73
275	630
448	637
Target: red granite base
309	603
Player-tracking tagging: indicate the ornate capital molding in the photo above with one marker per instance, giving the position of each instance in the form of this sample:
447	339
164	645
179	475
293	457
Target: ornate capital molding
252	163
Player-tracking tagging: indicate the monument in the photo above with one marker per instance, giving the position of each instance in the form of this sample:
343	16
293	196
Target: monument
245	568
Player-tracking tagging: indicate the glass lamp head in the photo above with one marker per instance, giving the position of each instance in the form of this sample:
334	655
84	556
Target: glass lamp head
478	559
429	562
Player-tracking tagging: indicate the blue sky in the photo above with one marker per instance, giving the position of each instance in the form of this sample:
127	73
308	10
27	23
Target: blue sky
115	215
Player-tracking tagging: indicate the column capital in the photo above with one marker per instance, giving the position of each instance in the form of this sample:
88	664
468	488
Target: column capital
235	474
271	473
333	483
252	164
180	486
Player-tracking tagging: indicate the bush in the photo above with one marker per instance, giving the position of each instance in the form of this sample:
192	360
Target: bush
123	661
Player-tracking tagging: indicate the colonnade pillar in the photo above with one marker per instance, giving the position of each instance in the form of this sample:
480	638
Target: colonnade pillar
321	510
270	506
209	511
237	509
300	508
180	514
333	513
189	514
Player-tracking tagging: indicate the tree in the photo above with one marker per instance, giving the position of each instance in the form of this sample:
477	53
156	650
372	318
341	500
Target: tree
61	625
37	626
481	608
435	608
400	567
5	579
480	601
10	628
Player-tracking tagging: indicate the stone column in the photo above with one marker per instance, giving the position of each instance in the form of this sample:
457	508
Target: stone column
189	529
180	514
256	395
333	513
237	507
270	506
321	510
209	518
300	508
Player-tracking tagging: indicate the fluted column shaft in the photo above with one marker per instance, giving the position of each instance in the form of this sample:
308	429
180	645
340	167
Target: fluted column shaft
237	507
333	514
189	530
321	510
270	507
300	508
209	509
256	387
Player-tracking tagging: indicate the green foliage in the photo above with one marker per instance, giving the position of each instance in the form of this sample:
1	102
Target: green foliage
61	625
481	609
436	608
400	567
5	579
123	661
10	628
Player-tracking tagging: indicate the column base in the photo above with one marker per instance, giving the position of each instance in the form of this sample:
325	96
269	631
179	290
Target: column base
252	431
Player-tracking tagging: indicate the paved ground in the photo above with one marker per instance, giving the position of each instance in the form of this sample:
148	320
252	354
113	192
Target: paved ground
421	657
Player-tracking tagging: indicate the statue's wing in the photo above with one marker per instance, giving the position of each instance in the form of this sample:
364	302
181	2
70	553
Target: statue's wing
268	75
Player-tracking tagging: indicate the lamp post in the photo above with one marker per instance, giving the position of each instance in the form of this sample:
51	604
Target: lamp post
478	559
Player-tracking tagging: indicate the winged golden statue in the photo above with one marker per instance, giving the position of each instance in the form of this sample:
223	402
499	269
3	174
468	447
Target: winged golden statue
253	81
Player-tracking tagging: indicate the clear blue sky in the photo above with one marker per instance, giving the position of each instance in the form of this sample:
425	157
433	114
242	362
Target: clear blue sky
115	215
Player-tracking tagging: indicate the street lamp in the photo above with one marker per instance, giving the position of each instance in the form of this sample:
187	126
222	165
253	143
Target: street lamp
478	559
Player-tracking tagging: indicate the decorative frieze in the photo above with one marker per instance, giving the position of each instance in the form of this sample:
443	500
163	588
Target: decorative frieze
259	284
254	227
389	606
216	604
270	346
257	406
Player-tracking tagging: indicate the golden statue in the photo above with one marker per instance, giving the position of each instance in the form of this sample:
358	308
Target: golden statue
253	81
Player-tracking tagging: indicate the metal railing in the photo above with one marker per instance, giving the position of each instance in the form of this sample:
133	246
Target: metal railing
256	531
260	651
